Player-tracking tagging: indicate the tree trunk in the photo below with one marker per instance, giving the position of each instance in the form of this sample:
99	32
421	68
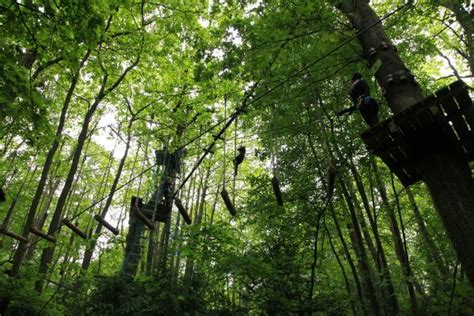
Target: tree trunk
90	249
402	255
356	236
445	171
348	257
343	271
11	209
22	247
55	224
434	254
387	284
465	19
83	135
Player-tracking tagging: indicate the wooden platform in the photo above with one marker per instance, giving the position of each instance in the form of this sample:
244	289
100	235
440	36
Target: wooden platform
445	118
162	211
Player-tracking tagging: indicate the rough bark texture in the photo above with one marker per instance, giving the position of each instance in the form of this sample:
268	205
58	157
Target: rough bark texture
90	250
449	181
445	171
22	247
401	95
132	246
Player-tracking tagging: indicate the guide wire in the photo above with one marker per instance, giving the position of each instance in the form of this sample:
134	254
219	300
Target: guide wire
246	104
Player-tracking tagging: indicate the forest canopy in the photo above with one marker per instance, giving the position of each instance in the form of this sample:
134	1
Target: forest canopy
215	157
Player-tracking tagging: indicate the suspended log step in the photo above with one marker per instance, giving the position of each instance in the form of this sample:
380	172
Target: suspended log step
74	228
14	235
277	191
41	234
182	211
445	119
228	202
107	225
136	206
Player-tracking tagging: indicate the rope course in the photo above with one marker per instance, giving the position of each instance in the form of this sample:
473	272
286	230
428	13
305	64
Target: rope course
248	99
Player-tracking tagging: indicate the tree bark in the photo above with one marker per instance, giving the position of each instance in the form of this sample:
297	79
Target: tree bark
402	255
444	169
434	254
387	284
58	212
348	256
22	247
466	20
90	249
359	249
343	271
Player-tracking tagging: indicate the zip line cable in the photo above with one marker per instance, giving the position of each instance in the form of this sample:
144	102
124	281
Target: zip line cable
246	104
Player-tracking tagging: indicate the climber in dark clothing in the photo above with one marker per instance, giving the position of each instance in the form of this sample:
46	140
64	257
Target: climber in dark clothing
360	94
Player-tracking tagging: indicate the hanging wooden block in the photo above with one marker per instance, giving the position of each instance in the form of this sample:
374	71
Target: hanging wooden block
14	235
74	228
228	202
39	233
182	211
107	225
277	191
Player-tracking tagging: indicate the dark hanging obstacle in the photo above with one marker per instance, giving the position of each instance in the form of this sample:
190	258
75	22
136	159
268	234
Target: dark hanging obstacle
277	191
228	203
107	225
445	118
74	228
182	211
13	235
136	207
41	234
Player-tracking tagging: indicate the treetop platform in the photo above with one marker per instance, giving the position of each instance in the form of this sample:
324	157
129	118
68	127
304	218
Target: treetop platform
442	120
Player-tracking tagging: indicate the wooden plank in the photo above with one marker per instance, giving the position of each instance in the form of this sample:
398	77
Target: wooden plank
142	217
460	126
387	158
14	235
406	126
162	211
463	99
107	225
449	104
369	139
457	85
74	228
182	211
39	233
277	191
468	143
228	202
423	118
398	154
401	175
